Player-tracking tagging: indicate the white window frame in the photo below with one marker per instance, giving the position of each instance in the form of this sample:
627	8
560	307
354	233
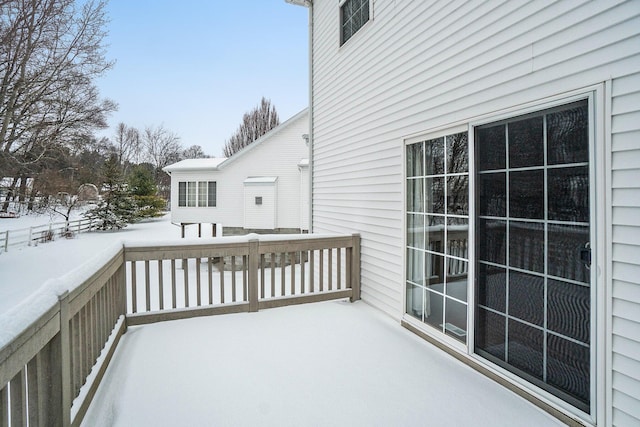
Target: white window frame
196	194
433	333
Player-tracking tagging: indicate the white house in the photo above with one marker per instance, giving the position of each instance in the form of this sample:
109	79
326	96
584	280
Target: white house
262	188
488	153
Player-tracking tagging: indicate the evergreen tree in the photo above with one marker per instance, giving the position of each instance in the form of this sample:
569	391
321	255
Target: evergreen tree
143	189
117	208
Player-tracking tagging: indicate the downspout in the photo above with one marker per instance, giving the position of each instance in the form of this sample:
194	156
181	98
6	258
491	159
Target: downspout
311	138
309	5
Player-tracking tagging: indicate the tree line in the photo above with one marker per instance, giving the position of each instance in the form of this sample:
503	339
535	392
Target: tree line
51	54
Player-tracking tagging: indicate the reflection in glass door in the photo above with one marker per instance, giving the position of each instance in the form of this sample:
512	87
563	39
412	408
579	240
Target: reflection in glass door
437	233
532	227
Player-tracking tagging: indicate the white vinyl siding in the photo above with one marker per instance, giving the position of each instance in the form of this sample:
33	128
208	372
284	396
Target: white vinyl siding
260	216
432	74
423	66
625	181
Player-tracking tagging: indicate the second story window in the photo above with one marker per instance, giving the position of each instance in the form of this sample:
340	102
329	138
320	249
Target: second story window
353	15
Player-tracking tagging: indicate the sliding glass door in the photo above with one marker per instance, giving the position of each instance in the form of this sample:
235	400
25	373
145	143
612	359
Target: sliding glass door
533	249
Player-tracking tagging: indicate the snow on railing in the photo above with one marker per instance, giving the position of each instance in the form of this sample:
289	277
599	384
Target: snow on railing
31	236
51	369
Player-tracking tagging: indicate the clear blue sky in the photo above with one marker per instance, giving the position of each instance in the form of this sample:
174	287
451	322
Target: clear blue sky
196	66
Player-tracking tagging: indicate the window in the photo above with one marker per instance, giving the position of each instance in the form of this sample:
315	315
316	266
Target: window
437	233
201	194
353	15
211	194
258	200
191	194
182	194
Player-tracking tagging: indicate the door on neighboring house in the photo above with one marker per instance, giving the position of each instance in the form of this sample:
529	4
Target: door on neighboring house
533	249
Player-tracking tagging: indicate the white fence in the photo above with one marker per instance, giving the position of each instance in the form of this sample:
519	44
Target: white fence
31	236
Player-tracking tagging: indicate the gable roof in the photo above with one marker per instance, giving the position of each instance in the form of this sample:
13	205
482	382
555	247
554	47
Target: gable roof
282	126
217	163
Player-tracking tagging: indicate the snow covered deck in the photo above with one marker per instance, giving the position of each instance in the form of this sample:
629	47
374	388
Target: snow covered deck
331	363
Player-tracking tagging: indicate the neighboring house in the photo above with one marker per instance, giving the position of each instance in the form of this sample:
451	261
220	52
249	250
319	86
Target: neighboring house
262	188
488	153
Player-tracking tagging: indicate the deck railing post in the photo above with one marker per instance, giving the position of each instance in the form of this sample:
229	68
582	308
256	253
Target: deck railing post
355	268
65	358
254	261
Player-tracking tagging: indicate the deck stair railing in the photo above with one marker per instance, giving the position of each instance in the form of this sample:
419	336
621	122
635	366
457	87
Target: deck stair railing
50	372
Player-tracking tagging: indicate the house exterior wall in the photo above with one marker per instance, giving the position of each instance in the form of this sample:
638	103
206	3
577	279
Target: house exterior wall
260	216
278	156
194	214
418	67
625	248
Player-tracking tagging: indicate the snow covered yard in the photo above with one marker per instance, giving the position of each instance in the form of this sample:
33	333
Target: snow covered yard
332	363
25	270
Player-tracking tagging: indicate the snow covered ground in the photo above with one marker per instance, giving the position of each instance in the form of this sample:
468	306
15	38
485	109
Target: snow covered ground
24	271
324	364
331	363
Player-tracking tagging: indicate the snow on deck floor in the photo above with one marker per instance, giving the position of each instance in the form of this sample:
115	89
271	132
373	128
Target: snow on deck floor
324	364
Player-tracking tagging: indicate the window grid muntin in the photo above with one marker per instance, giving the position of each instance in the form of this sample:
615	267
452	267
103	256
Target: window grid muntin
202	194
445	254
192	192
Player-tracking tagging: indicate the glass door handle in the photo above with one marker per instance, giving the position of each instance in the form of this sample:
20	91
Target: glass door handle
585	255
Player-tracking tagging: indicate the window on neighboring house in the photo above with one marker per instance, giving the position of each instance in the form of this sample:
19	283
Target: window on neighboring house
182	194
191	194
201	194
353	15
211	194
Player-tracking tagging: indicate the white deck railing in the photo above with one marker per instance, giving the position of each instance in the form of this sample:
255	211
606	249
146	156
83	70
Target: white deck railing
30	236
50	372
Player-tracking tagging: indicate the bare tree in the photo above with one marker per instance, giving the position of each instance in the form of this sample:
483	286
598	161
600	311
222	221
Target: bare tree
127	145
50	54
194	152
162	146
254	124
